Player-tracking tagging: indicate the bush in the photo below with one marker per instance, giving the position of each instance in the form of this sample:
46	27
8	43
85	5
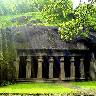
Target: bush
7	56
7	73
5	83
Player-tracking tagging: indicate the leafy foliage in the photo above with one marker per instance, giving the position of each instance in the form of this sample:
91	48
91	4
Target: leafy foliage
10	7
7	56
57	10
82	24
71	23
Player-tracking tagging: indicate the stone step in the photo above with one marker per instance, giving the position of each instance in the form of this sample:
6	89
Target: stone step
45	80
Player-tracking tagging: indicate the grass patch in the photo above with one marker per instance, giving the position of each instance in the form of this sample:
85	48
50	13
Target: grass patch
89	84
41	88
32	88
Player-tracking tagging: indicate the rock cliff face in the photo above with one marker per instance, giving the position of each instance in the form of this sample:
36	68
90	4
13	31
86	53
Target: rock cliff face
39	37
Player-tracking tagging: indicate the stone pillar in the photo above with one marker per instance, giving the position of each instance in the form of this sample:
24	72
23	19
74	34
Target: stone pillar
62	71
82	68
51	68
93	68
72	69
39	75
28	68
16	63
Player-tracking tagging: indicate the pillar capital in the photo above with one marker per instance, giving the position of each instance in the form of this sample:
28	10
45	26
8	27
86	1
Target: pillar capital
62	59
40	59
72	59
18	59
28	59
81	59
93	58
51	59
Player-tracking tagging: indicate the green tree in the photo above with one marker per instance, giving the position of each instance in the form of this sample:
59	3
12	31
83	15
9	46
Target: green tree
9	7
84	20
71	23
7	55
57	10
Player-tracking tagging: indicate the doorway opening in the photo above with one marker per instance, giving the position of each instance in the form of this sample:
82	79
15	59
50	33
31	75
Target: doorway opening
34	66
56	67
67	65
22	67
45	67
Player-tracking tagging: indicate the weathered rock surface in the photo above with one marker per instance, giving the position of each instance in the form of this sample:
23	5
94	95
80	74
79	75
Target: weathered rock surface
13	20
36	21
39	37
21	19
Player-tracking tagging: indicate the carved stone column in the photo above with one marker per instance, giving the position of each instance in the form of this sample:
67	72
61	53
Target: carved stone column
51	68
72	68
16	63
28	67
93	68
62	71
82	68
39	75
